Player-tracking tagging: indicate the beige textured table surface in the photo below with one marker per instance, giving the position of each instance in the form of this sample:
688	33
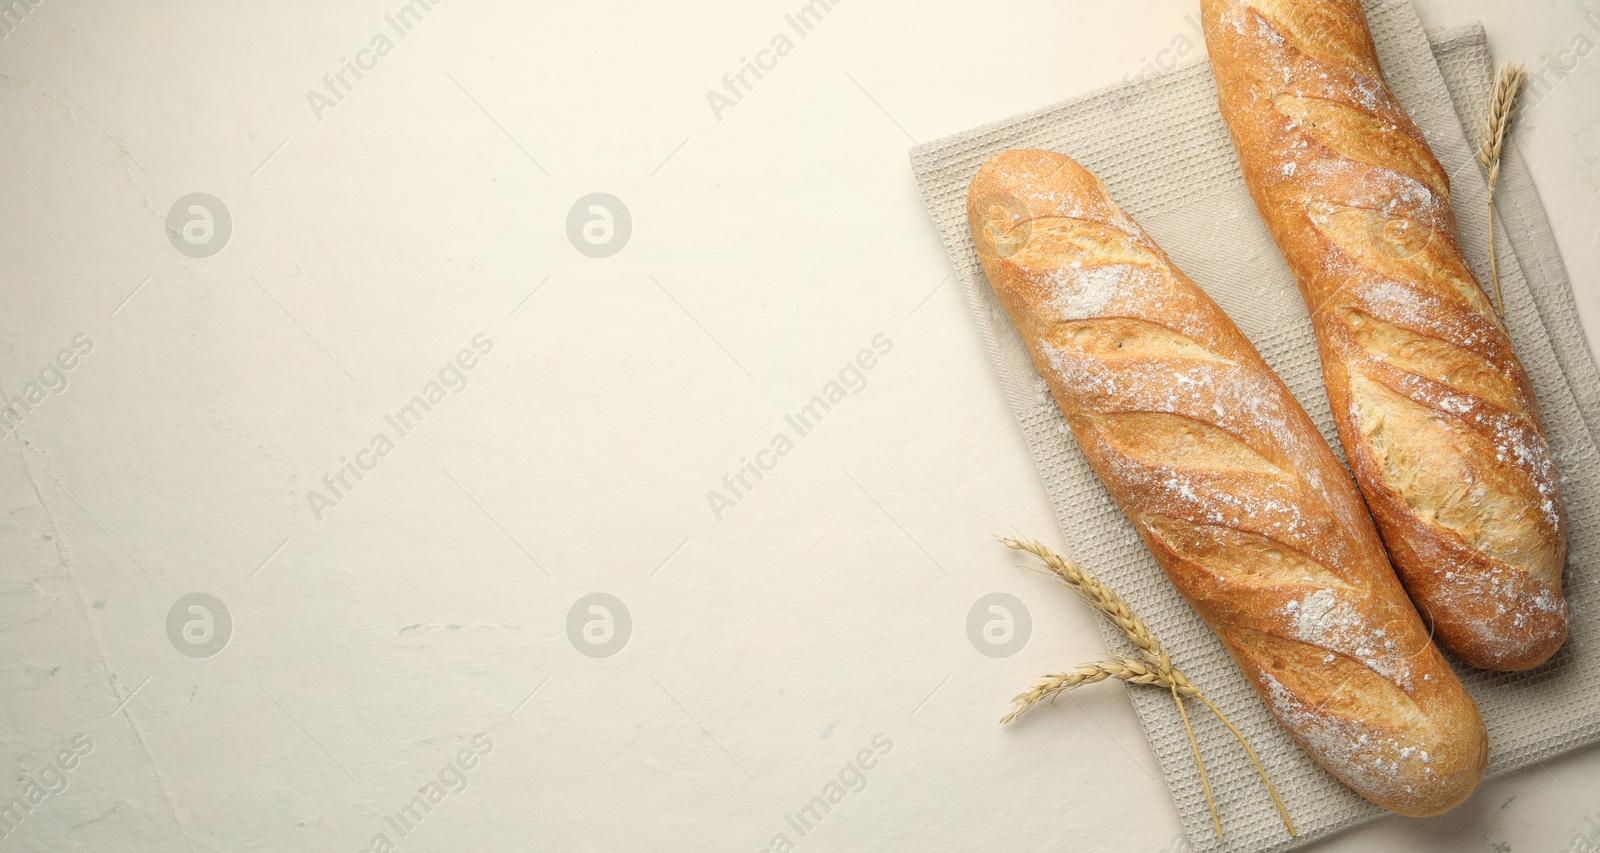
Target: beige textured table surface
380	222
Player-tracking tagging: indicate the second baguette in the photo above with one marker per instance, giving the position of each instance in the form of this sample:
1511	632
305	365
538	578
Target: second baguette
1437	416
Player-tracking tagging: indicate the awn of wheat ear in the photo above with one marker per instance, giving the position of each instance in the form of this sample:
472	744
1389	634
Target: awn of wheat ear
1496	126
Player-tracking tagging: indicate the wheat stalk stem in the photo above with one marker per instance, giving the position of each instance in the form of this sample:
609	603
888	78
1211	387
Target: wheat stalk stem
1282	812
1216	822
1496	126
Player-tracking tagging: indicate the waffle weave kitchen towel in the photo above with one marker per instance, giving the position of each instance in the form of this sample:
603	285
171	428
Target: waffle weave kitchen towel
1162	148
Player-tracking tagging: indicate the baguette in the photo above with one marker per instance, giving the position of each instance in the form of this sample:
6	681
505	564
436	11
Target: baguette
1436	415
1228	482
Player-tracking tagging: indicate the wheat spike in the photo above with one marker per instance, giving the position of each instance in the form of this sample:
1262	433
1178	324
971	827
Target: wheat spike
1496	126
1121	668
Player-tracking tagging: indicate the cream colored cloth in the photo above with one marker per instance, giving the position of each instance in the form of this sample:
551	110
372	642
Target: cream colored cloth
1162	148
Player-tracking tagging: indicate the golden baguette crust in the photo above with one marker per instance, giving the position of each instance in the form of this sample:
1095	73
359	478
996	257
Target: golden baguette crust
1436	415
1229	483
